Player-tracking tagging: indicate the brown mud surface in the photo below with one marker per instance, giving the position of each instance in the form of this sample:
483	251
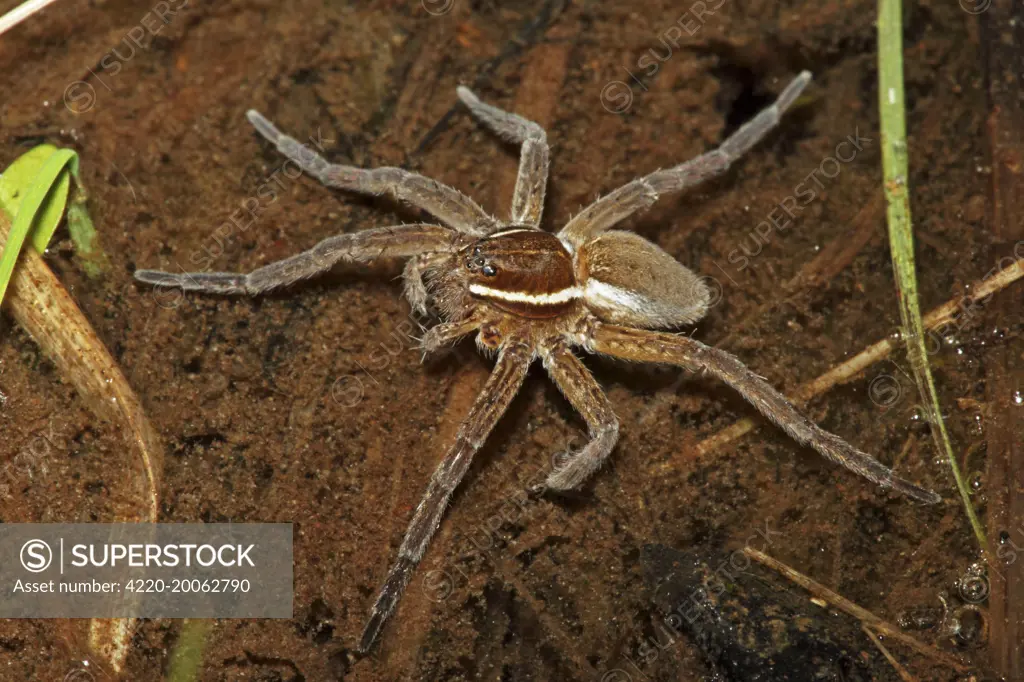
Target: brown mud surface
312	405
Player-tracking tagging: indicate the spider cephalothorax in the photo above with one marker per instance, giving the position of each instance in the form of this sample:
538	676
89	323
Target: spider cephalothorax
524	272
529	294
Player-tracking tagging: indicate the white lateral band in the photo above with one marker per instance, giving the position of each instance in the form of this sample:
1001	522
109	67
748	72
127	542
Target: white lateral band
514	230
608	294
554	298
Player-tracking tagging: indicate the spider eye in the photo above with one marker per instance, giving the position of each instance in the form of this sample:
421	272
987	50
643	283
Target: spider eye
489	270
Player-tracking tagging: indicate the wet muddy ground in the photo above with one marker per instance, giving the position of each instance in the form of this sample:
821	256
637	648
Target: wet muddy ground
312	406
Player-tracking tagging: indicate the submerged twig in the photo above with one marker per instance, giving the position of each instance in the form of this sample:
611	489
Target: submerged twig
41	305
897	666
901	237
1003	371
846	606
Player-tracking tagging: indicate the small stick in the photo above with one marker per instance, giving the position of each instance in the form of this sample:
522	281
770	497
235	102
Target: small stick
900	670
847	606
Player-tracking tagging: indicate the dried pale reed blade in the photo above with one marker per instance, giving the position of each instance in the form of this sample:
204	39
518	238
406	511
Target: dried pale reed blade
21	13
41	305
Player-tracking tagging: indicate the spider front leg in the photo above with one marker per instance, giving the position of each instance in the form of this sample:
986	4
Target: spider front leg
647	346
400	241
531	183
503	384
586	396
643	192
446	203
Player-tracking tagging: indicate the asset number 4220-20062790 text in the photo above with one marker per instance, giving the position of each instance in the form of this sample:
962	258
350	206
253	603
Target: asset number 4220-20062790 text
210	585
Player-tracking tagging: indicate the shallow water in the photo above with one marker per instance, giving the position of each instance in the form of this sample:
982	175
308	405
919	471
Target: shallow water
312	405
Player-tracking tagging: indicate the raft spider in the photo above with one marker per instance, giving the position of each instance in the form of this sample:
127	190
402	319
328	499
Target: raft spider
531	294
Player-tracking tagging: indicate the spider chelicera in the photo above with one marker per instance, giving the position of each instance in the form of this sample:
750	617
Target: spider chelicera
531	294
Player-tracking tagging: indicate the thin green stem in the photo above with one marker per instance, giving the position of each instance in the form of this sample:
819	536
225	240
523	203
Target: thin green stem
901	238
187	656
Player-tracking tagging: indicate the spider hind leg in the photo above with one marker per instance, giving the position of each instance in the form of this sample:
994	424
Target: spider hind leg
501	387
647	346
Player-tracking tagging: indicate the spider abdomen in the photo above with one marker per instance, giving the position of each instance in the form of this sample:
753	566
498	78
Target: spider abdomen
523	271
628	280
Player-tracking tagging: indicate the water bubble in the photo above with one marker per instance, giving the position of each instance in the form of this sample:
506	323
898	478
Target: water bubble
973	588
970	627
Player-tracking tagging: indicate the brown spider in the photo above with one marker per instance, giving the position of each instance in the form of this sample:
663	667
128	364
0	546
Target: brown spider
531	294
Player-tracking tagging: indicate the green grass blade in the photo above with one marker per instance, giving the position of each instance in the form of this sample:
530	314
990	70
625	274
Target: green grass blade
20	176
34	192
40	206
901	239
